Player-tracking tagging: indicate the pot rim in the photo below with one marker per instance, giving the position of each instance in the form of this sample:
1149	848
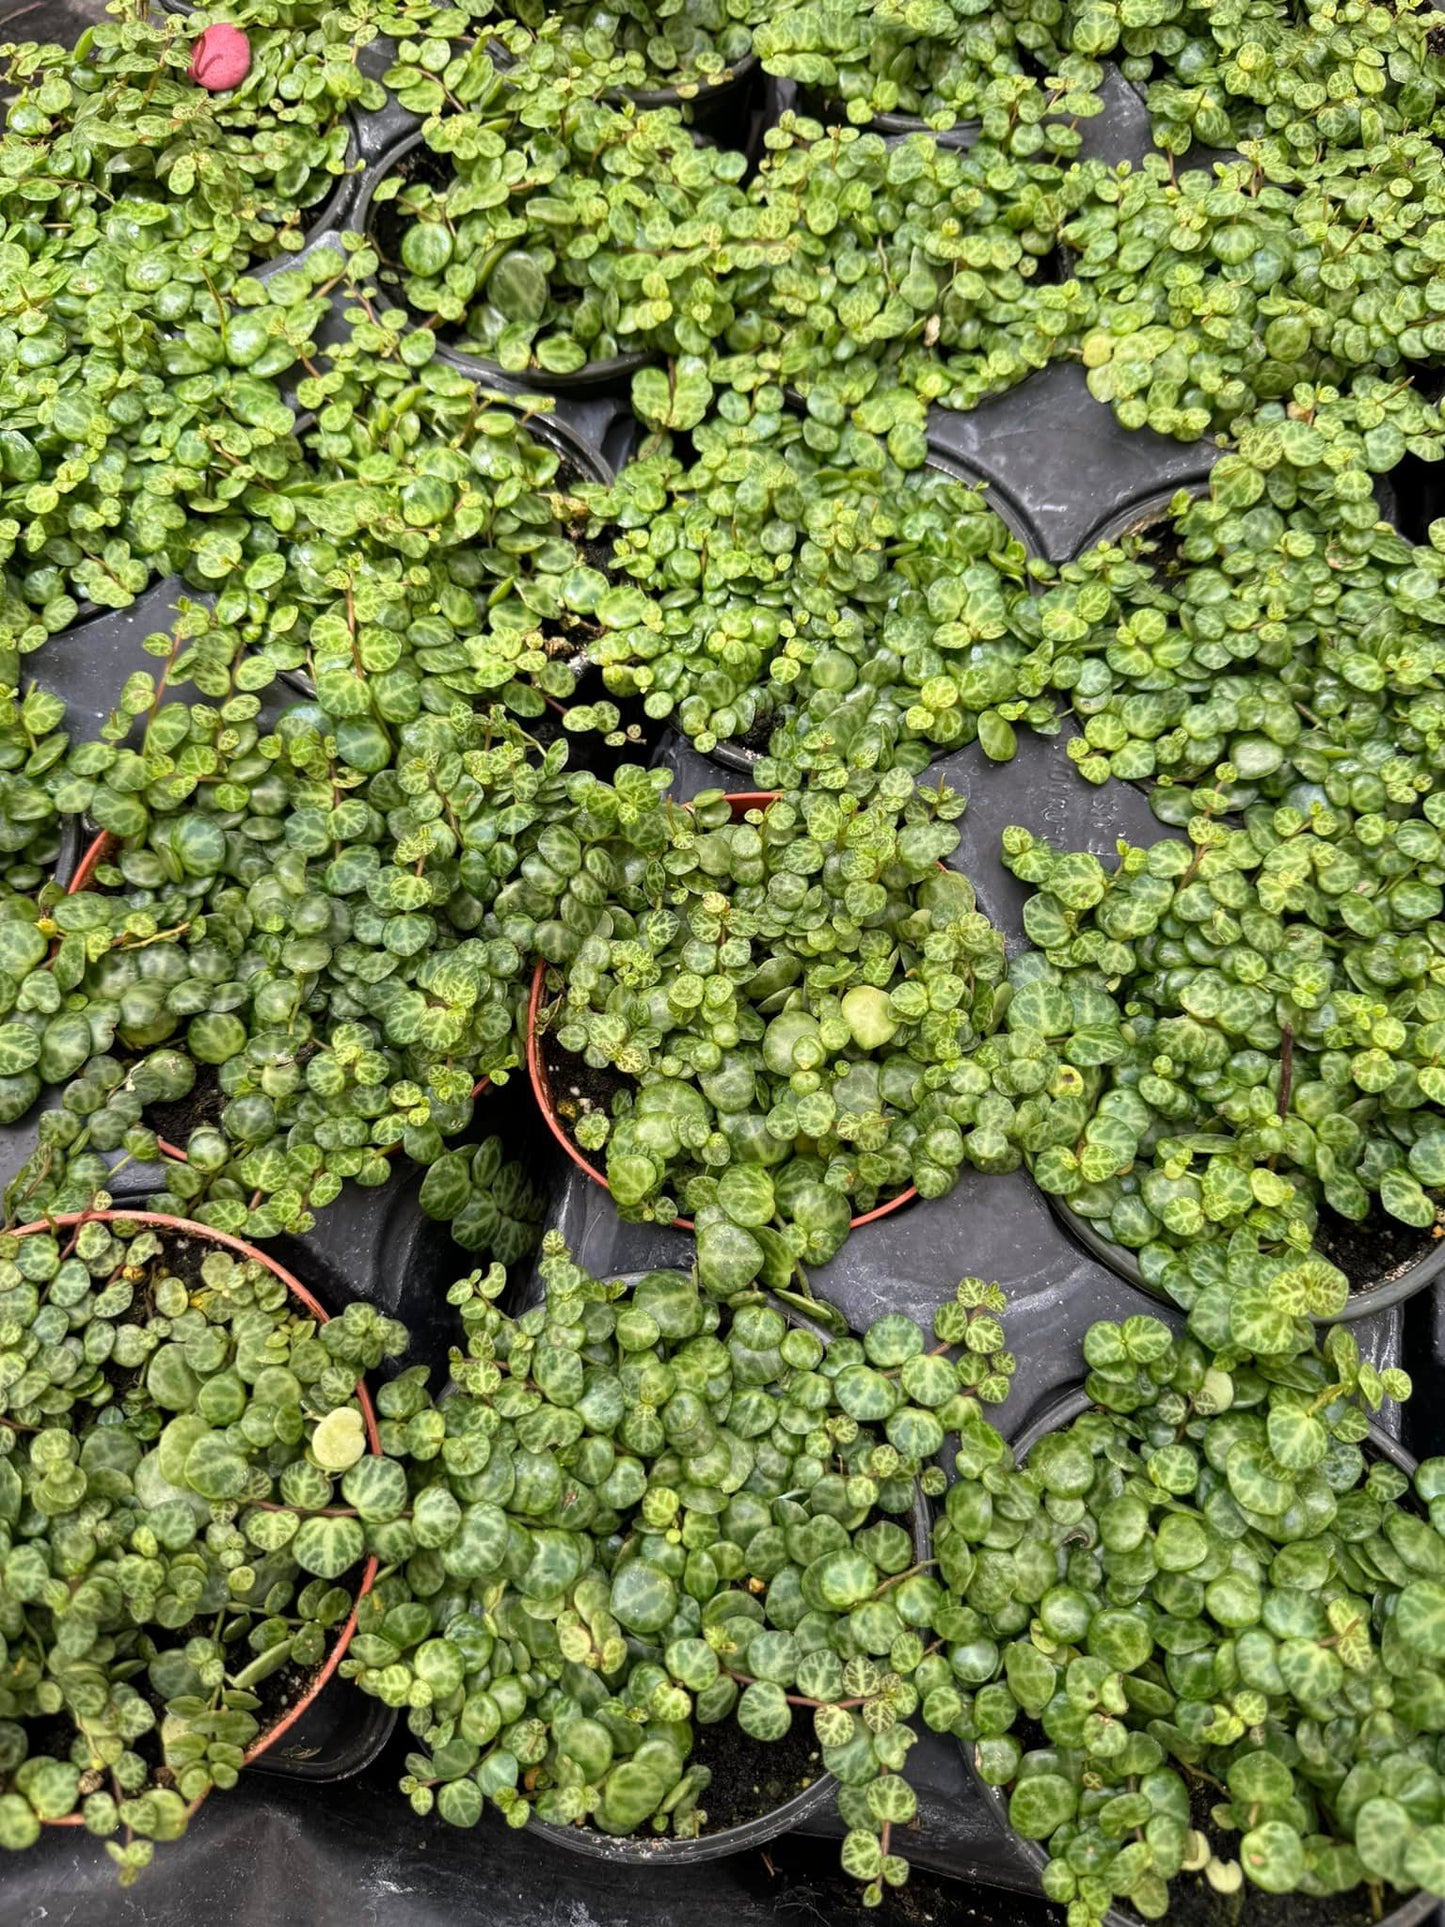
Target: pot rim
1361	1303
703	92
189	1227
590	376
1062	1409
741	801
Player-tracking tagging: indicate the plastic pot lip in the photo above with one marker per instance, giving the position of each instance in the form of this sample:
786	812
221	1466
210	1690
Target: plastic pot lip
1063	1410
733	756
188	1227
1145	512
630	1850
891	126
1362	1303
71	850
1074	1401
704	91
741	801
593	377
898	127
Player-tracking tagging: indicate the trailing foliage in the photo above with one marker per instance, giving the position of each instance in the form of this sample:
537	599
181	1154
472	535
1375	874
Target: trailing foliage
909	265
114	131
640	47
164	1407
789	1030
342	946
1273	1045
634	1515
1345	76
803	571
546	253
943	61
1211	1651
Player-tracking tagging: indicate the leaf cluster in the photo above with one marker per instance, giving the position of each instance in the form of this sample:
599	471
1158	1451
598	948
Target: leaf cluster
635	1515
1205	1629
164	1410
785	1020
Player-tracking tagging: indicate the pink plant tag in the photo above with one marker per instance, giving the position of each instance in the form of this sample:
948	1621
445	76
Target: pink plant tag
221	58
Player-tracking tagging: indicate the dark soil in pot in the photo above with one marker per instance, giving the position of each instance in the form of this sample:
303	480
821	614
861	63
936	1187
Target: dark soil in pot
1384	1261
572	474
1154	535
1375	1250
579	1088
1194	1903
589	748
749	1777
202	1104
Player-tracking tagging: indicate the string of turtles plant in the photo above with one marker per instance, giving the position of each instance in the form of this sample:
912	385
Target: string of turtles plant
342	948
642	47
806	572
161	1410
118	126
785	1030
634	1515
1209	1652
497	241
1286	80
1240	1029
1217	291
1276	638
942	61
910	265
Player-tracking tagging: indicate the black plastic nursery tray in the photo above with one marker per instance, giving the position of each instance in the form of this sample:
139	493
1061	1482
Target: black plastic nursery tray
321	1834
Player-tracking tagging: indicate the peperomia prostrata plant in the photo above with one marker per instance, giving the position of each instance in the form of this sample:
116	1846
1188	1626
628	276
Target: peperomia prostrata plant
634	1515
163	1407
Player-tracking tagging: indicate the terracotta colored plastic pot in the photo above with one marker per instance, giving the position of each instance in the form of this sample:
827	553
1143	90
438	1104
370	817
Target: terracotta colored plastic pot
741	802
94	854
158	1221
99	848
